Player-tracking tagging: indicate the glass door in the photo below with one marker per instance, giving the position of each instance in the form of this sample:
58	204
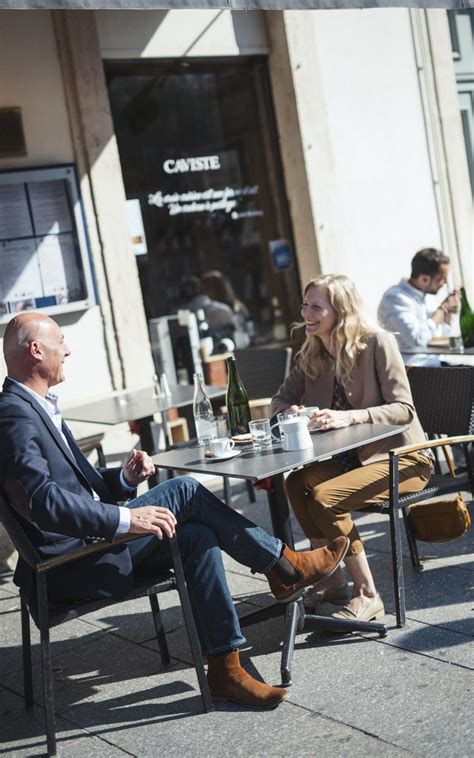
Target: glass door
199	152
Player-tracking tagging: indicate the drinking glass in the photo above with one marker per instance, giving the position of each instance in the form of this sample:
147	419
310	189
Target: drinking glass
456	343
222	425
261	434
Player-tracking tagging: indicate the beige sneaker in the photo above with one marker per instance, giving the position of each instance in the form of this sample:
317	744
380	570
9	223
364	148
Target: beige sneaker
369	611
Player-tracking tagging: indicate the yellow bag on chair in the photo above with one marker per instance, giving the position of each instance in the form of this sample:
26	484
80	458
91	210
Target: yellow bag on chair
440	522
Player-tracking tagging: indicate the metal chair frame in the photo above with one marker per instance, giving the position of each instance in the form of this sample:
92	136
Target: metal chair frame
47	614
93	442
430	386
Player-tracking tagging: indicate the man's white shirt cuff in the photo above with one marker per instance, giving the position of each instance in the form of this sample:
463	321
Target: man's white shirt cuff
124	520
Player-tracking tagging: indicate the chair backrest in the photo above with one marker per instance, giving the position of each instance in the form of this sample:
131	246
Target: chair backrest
17	534
262	370
444	398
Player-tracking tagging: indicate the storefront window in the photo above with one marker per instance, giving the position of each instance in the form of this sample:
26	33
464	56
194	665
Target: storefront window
198	150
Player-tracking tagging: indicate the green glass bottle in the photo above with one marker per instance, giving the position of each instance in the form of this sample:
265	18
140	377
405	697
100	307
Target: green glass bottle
238	409
466	321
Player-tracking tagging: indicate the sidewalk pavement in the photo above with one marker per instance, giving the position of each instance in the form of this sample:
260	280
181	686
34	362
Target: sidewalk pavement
410	693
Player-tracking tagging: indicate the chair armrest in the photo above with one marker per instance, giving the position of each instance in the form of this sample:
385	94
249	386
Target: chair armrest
82	552
431	443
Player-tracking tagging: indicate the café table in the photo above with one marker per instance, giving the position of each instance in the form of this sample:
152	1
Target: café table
432	350
138	405
274	462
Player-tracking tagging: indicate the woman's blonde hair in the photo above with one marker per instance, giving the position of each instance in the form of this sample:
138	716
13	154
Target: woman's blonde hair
350	332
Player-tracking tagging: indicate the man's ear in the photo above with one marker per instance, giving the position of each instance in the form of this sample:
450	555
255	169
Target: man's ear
35	350
424	281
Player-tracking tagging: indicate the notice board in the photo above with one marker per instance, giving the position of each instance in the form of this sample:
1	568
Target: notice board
45	260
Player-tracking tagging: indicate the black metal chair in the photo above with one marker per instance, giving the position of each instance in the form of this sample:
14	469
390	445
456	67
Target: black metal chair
262	370
93	442
47	614
444	402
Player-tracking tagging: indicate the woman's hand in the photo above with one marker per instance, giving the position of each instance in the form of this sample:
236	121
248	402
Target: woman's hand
329	419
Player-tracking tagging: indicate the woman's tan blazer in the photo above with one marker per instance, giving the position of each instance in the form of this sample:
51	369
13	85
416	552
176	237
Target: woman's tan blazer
379	384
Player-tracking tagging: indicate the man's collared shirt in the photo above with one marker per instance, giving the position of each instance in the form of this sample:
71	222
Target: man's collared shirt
50	404
403	311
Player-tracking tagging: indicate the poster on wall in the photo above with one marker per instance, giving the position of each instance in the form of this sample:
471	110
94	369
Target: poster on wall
44	258
280	251
15	219
136	228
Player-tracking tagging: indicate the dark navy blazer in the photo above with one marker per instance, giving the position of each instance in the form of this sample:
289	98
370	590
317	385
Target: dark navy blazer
53	494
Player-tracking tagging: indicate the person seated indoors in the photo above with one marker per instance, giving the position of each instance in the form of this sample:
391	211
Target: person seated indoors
404	311
218	288
65	503
353	371
219	316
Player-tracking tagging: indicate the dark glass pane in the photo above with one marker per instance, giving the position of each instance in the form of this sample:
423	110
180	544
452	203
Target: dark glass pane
197	148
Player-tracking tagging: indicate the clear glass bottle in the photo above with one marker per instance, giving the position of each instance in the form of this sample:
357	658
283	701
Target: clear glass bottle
279	327
203	413
205	340
238	409
165	387
156	387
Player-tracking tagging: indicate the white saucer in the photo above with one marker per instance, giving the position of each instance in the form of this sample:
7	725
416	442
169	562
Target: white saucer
225	457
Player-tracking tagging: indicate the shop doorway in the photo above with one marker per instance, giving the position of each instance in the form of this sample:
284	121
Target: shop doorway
200	161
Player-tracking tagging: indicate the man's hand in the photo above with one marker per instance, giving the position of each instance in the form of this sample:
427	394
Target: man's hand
452	302
137	467
444	311
151	519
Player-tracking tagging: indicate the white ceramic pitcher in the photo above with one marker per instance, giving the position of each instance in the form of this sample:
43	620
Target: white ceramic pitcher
296	433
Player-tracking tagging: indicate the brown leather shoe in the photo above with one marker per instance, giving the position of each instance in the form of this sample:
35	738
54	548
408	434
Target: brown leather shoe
312	565
229	681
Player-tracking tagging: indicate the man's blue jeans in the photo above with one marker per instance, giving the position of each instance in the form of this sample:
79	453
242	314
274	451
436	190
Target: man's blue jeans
205	526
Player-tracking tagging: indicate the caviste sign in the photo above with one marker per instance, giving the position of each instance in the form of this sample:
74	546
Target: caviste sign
183	165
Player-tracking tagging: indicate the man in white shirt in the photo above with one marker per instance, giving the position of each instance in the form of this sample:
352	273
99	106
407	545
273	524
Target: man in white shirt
403	309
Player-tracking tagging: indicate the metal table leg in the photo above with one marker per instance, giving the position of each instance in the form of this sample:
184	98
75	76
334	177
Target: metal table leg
296	618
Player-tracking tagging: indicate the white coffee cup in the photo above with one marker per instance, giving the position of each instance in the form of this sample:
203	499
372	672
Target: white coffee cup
307	411
221	446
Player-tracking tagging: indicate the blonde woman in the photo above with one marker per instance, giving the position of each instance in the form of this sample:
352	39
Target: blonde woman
354	372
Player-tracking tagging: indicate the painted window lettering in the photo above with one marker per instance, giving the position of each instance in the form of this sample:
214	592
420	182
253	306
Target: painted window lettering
207	201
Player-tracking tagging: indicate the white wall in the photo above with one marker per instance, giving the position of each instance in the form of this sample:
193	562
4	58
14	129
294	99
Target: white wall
30	77
384	191
180	33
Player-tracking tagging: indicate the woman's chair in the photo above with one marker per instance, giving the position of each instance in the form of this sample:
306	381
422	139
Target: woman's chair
47	614
444	402
262	370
